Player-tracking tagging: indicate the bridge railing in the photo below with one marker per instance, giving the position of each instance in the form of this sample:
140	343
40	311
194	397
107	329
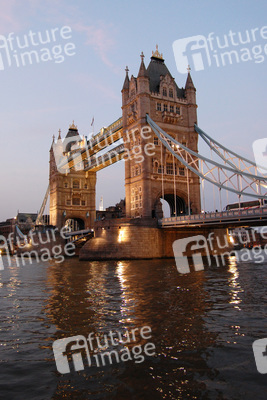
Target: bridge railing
215	216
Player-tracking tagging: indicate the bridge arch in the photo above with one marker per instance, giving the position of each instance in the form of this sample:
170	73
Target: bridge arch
180	207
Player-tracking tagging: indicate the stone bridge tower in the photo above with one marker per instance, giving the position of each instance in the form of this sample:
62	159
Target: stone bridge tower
72	193
160	175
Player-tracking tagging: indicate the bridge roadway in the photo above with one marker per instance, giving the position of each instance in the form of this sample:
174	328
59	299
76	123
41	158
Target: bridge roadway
88	153
249	217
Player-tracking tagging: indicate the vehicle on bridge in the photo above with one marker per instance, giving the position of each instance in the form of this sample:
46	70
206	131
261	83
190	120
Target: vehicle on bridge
244	205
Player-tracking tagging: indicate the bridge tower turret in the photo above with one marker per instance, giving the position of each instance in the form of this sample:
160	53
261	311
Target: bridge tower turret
72	193
152	174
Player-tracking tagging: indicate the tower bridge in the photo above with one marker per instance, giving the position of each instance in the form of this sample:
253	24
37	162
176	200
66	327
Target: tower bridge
173	171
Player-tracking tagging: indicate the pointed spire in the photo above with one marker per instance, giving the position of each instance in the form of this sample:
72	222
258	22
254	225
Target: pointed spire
59	134
142	69
189	82
53	142
126	80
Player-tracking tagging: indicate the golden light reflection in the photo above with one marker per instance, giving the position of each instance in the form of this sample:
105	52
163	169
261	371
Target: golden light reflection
121	236
235	288
127	303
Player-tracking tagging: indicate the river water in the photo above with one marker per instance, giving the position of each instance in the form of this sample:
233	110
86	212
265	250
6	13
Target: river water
203	326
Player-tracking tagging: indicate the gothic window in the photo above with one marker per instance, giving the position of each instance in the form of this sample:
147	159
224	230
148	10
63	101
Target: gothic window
76	185
75	201
181	171
169	168
171	109
160	169
165	107
158	106
156	140
164	92
171	93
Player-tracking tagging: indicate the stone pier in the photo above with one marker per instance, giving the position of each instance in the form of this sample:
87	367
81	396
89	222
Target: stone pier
141	238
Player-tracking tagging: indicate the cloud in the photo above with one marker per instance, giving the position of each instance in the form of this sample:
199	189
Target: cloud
100	36
9	21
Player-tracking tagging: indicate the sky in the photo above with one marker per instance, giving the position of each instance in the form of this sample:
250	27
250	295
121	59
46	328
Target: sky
38	99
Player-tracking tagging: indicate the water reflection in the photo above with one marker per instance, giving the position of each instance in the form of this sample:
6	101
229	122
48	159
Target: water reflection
235	287
101	296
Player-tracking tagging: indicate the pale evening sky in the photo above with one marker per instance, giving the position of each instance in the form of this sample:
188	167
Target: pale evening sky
39	98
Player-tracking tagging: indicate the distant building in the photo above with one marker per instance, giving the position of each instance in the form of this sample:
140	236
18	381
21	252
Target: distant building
8	226
25	222
117	211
